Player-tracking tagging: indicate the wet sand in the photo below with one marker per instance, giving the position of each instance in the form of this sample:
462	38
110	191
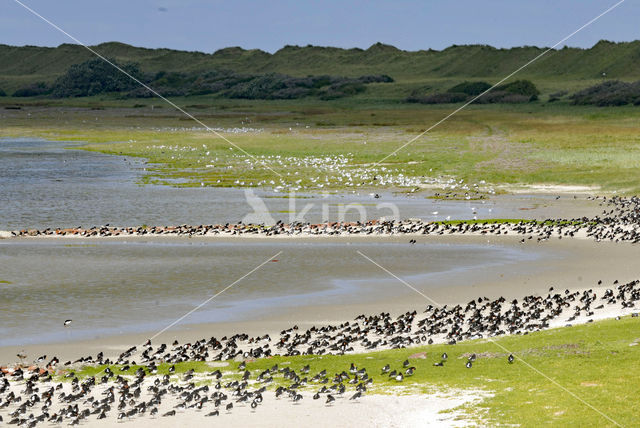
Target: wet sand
574	264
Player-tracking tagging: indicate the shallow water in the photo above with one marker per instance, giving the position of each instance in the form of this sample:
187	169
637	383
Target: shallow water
112	287
45	184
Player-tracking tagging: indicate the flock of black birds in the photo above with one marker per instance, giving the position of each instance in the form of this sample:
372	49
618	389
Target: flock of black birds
41	394
45	400
619	221
50	392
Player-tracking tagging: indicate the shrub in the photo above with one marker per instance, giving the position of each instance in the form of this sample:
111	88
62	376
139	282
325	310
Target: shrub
97	76
2	93
380	78
520	87
610	93
343	89
320	81
492	97
94	77
470	88
33	90
517	99
438	98
261	87
498	97
520	91
280	86
557	95
290	93
141	92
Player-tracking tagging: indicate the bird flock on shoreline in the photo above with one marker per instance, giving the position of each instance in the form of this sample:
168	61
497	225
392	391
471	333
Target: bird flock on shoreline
50	392
619	222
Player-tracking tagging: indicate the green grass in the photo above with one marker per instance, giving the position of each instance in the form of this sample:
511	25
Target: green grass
596	362
501	145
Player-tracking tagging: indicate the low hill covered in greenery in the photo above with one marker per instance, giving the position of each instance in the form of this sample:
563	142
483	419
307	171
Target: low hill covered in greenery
324	72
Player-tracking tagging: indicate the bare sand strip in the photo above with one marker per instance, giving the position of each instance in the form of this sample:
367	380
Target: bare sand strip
372	411
402	410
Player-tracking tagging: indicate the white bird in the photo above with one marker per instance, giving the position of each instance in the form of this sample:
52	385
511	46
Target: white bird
67	323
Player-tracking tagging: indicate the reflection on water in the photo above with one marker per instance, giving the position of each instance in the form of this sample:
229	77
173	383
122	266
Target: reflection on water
111	287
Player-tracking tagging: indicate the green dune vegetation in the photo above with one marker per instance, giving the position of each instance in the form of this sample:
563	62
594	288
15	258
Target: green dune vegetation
316	118
23	65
